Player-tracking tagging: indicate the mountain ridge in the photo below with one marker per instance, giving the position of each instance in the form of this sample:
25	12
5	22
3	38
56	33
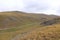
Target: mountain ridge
17	18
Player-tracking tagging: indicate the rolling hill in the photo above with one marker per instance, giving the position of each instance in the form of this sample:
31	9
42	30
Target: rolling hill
16	18
17	25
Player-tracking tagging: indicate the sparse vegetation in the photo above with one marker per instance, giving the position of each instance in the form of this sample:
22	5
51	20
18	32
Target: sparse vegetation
14	23
47	33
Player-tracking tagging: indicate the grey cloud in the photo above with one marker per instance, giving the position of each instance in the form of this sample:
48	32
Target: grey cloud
58	10
36	6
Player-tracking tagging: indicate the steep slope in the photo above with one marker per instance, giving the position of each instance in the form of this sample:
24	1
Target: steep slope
16	18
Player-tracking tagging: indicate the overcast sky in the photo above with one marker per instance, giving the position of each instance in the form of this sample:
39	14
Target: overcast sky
44	6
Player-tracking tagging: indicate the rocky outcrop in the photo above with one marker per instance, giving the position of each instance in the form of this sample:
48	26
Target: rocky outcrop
51	22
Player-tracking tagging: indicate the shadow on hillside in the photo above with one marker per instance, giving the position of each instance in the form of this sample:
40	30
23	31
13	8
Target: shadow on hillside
51	22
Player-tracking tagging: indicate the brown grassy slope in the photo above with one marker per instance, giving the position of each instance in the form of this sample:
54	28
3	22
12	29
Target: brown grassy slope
13	19
48	33
16	18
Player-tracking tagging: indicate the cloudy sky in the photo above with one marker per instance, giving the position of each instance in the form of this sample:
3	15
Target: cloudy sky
44	6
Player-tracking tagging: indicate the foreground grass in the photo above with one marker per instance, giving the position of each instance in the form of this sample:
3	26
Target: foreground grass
8	34
47	33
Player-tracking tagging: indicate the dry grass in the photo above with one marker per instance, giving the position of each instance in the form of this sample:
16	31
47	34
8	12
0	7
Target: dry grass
47	33
8	35
17	19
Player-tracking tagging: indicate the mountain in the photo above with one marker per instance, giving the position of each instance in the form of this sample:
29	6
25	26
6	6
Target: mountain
17	25
17	18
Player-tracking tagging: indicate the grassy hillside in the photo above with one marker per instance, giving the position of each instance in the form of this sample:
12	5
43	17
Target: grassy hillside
47	33
14	23
16	18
